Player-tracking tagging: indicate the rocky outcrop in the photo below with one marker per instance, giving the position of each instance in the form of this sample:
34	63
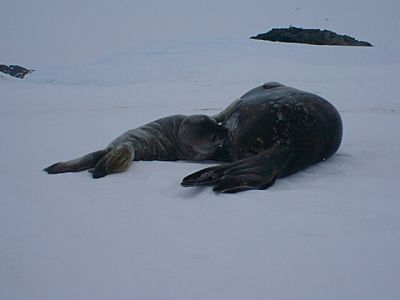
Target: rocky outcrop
15	71
309	36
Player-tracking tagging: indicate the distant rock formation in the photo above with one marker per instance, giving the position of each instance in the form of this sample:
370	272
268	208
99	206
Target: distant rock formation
309	36
15	71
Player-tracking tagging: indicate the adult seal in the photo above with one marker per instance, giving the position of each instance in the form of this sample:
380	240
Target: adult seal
272	131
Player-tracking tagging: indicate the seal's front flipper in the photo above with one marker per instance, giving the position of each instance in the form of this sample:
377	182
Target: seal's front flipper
234	177
117	160
209	176
79	164
249	181
256	172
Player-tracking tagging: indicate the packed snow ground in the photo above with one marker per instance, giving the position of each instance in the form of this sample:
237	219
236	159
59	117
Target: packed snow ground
329	232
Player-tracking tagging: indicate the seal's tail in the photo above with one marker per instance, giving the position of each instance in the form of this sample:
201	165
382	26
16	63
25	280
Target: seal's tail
85	162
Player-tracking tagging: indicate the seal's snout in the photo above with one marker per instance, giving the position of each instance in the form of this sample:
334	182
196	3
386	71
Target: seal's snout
219	136
223	132
223	129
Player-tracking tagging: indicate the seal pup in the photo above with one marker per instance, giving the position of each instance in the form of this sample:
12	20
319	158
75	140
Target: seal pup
172	138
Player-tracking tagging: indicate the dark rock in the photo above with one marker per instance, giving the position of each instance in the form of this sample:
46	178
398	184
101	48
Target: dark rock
309	36
15	71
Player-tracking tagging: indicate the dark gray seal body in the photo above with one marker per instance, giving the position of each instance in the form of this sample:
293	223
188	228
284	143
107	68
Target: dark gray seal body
274	131
172	138
270	132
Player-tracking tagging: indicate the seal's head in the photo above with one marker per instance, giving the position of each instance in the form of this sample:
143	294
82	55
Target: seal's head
202	134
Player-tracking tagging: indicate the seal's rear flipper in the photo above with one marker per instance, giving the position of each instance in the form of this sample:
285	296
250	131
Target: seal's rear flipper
119	159
79	164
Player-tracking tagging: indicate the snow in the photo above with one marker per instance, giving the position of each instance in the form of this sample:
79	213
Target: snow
329	232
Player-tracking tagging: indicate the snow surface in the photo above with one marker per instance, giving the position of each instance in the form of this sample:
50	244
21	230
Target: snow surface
329	232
